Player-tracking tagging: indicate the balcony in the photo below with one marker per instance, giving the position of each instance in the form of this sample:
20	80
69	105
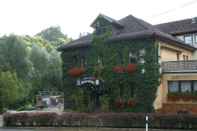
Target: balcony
179	66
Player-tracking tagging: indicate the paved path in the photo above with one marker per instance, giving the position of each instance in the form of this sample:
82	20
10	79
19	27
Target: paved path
1	120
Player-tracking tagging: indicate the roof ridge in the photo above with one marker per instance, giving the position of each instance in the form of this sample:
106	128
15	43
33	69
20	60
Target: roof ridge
174	21
143	23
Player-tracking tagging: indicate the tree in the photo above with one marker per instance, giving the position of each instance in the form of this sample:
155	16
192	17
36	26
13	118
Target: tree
54	36
32	63
11	89
13	55
39	58
55	70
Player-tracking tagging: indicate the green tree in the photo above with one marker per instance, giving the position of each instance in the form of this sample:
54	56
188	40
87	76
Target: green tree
13	55
11	89
54	36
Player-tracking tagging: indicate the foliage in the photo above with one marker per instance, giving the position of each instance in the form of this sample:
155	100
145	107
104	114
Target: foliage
142	76
54	36
36	65
114	120
12	89
13	55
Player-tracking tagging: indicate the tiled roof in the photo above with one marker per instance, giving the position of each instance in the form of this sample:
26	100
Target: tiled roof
179	27
134	28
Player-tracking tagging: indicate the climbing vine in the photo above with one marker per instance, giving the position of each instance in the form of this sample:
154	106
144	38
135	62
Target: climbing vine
123	91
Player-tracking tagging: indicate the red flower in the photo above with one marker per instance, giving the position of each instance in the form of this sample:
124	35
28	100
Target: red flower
119	69
76	72
131	103
119	103
131	68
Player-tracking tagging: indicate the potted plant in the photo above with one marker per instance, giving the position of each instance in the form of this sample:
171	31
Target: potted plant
76	71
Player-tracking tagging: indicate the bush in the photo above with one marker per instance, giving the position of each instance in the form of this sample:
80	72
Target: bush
125	120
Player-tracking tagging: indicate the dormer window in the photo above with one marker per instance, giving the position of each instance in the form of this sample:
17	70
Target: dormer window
103	23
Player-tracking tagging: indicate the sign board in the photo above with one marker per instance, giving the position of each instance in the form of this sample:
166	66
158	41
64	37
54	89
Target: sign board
88	80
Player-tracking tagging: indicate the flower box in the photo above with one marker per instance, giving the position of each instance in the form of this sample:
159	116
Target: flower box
119	69
183	97
131	68
76	72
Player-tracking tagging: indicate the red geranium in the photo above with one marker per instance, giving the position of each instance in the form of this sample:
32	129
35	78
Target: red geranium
119	103
119	69
131	103
76	72
131	68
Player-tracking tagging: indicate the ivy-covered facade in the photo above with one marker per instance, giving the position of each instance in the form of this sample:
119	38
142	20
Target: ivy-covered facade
113	69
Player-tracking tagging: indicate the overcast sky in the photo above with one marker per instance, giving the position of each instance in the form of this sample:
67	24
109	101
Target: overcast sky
74	16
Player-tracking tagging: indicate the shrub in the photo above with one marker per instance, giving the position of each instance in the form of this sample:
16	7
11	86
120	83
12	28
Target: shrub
126	120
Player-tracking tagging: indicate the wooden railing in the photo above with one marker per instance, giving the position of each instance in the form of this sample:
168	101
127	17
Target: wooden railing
179	66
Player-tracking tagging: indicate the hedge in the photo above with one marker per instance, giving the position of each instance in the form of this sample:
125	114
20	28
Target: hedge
116	120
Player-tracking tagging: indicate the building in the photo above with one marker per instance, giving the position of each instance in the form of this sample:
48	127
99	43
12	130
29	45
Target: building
174	51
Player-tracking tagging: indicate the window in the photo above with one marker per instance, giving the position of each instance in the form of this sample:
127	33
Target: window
132	58
181	37
188	39
142	52
100	60
173	86
120	58
83	62
178	56
75	59
185	57
186	86
195	86
195	40
182	86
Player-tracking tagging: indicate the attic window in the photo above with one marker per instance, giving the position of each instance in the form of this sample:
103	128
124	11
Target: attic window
101	29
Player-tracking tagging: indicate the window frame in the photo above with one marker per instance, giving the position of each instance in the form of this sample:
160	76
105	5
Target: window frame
195	39
192	88
169	88
182	88
188	35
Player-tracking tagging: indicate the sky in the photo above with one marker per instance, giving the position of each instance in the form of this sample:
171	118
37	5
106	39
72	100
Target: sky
28	17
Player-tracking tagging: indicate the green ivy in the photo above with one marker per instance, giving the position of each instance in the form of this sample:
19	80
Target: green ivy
140	86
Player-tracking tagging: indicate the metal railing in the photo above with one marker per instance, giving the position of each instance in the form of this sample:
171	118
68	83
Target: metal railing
179	66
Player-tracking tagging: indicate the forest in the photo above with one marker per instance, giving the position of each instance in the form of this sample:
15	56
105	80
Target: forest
29	64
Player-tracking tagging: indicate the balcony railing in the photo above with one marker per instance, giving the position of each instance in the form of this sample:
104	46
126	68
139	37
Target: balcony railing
179	66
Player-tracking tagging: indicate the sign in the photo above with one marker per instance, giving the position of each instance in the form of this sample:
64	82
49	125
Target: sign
88	80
